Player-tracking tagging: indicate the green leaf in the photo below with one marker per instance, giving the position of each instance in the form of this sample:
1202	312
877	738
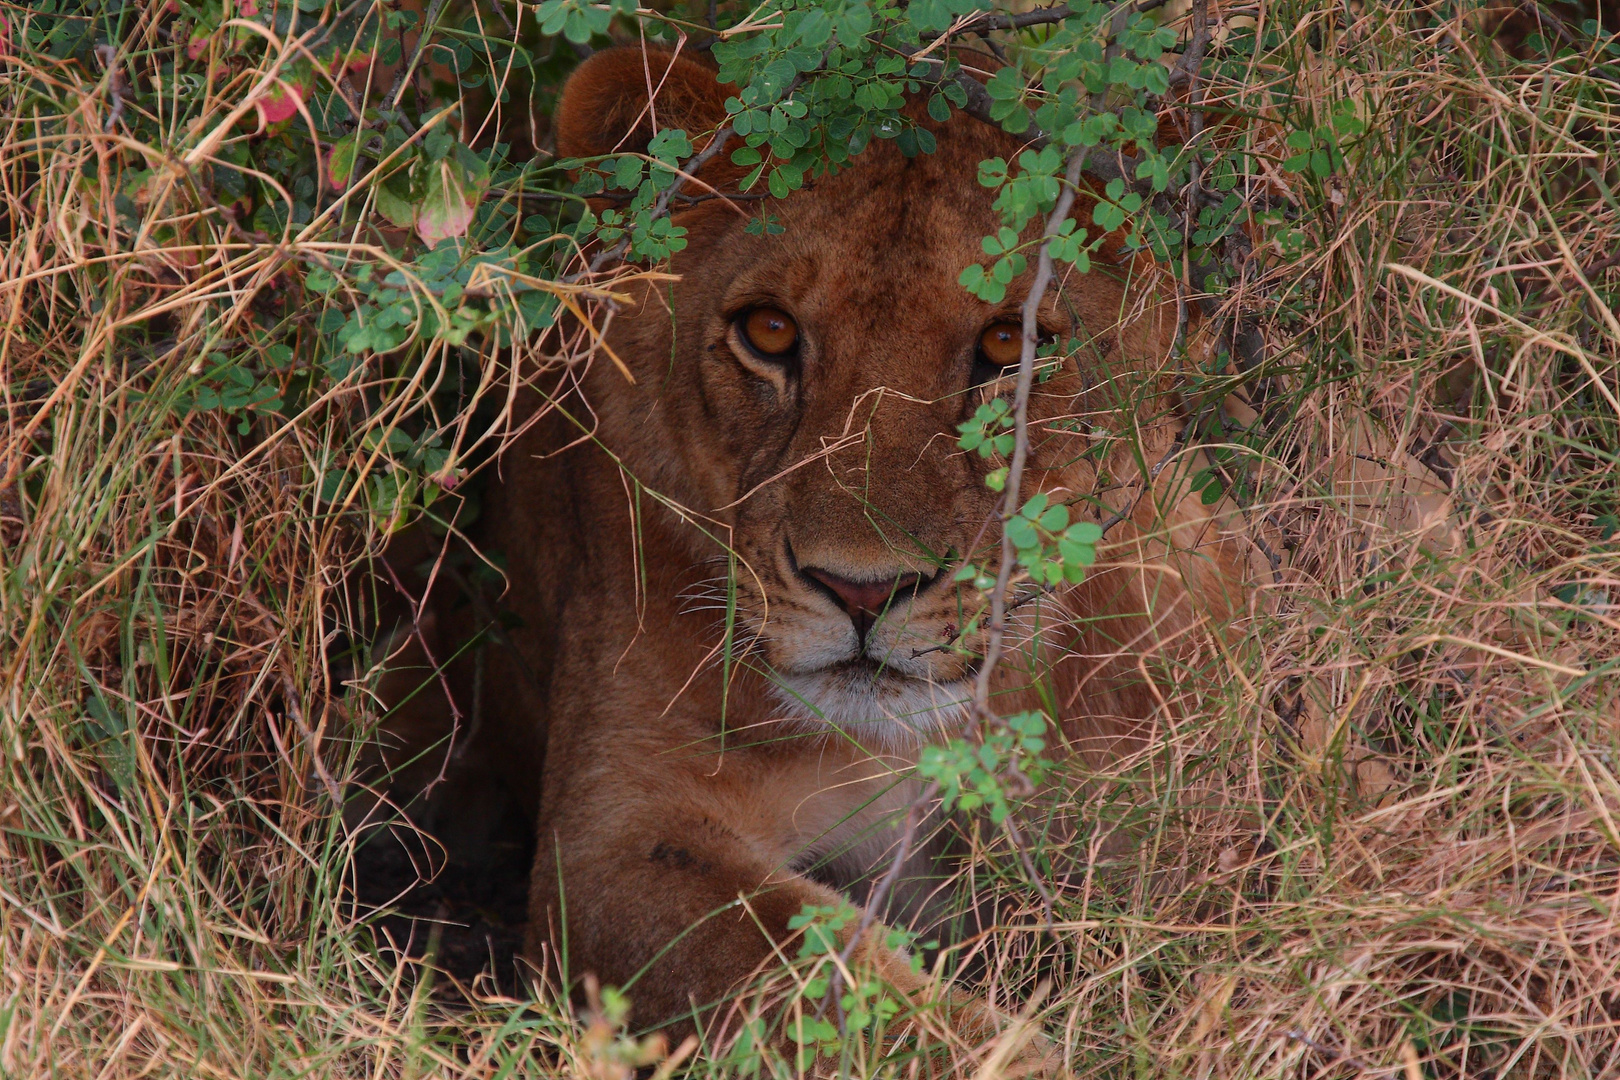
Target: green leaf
627	172
671	145
438	142
1021	531
1085	532
1108	216
394	205
1005	85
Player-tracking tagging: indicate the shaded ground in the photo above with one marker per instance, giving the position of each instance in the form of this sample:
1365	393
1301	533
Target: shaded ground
466	917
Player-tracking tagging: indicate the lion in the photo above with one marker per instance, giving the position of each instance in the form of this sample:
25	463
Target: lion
733	552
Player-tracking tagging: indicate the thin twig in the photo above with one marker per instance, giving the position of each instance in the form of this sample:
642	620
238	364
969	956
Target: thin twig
1015	471
1010	503
879	893
1037	17
428	22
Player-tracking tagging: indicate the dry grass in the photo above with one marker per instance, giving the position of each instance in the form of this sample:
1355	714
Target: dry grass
1380	839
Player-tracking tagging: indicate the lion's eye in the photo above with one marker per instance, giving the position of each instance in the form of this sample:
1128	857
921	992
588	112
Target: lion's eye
1000	347
1002	344
770	332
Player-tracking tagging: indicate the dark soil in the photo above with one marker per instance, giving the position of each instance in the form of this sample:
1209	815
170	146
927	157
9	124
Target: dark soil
463	915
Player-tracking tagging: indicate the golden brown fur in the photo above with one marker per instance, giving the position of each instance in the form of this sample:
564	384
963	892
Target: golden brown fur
682	792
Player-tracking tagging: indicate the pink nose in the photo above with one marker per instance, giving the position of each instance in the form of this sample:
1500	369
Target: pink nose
863	597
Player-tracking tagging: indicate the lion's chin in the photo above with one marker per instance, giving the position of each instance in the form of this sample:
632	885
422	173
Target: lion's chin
877	706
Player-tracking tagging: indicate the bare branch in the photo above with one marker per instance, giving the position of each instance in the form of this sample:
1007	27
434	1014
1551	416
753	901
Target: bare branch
1015	472
879	893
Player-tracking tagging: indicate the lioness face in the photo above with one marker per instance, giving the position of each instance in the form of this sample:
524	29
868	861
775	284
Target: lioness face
844	354
812	397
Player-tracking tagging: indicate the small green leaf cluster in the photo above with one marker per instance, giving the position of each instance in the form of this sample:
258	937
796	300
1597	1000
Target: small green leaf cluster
1026	194
425	300
1230	459
579	21
1288	239
1021	197
402	475
649	235
1048	547
1110	213
989	431
1215	223
1317	149
992	287
236	386
867	1005
970	775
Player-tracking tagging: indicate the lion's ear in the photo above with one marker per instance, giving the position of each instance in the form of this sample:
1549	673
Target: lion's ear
604	106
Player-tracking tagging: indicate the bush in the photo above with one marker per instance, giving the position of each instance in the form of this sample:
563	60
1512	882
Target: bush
272	270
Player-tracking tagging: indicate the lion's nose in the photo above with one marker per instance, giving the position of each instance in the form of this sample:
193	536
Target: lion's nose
865	601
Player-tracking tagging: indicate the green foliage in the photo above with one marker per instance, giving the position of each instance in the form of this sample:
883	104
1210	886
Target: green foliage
989	432
865	1004
579	22
1317	150
1050	549
971	776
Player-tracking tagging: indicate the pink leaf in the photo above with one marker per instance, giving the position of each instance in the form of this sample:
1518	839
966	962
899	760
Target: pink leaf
280	103
448	205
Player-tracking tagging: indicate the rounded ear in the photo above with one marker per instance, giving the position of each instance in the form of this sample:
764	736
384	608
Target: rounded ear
604	107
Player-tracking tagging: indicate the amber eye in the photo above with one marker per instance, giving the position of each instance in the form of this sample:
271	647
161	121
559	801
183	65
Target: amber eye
1001	345
770	332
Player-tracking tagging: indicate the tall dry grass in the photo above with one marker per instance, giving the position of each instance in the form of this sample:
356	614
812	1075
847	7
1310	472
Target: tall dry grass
1379	839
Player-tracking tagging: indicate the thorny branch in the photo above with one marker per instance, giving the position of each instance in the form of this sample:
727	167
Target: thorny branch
978	106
